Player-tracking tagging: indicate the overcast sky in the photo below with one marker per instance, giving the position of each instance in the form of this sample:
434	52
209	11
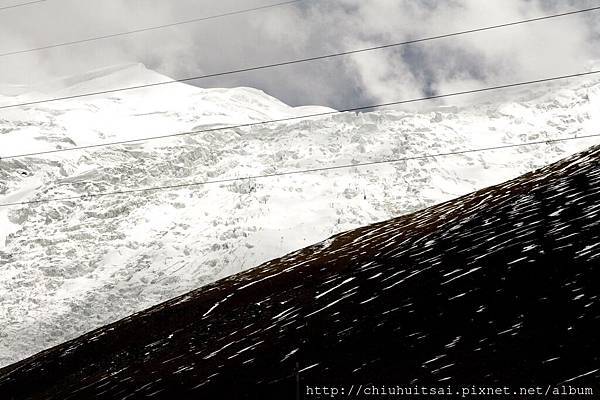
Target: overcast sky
308	28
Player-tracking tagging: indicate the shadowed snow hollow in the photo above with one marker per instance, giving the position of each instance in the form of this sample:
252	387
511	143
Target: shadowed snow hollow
68	267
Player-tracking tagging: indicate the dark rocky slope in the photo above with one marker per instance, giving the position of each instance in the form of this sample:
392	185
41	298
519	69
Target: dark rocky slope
498	287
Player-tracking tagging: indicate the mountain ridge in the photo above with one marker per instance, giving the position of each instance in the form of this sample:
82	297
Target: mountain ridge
506	267
68	267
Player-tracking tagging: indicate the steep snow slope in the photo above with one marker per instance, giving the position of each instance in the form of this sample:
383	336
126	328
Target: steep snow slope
68	267
497	288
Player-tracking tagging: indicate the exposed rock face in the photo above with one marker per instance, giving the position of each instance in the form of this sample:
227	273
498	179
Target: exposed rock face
498	287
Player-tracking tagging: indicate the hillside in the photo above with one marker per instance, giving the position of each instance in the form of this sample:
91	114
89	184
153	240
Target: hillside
72	266
497	287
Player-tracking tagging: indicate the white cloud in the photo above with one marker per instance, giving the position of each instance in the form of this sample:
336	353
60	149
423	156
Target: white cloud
313	27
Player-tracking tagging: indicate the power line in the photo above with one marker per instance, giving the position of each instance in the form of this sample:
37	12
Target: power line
297	61
287	119
22	4
152	28
298	172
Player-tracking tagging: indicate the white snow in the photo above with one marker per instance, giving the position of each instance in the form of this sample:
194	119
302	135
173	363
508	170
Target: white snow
68	267
21	194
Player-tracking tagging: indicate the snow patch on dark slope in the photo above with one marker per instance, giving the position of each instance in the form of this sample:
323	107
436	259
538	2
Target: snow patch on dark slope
497	287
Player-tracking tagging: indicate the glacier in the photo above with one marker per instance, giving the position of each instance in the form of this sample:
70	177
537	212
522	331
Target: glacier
68	267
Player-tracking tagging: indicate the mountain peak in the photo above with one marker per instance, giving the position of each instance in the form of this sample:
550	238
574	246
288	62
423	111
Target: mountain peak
377	295
110	77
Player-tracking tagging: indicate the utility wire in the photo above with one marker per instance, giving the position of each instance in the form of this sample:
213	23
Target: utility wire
297	61
151	28
297	172
22	4
287	119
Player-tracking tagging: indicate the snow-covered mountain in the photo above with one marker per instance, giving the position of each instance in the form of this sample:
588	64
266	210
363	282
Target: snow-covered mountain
510	273
68	267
